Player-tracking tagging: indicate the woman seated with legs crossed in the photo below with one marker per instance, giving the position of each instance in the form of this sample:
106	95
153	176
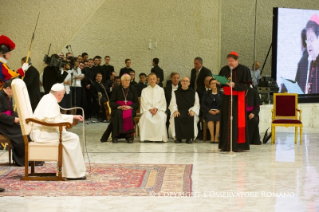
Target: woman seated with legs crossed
211	108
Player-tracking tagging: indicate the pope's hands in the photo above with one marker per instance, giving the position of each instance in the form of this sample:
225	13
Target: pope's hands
78	117
25	66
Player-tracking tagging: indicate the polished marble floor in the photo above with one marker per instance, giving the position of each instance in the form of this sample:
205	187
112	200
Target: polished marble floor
280	177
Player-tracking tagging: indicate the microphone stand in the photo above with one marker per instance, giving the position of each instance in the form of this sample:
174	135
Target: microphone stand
231	112
74	88
71	89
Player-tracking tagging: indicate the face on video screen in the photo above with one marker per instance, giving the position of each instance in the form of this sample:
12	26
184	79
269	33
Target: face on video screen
297	51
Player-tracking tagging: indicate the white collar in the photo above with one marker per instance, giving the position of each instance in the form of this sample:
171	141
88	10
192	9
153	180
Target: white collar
3	60
174	86
207	88
52	96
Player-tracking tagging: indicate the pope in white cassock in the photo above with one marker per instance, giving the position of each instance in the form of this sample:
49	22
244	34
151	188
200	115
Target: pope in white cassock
184	109
48	110
152	123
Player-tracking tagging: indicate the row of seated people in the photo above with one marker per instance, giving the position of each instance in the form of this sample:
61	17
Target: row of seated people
176	109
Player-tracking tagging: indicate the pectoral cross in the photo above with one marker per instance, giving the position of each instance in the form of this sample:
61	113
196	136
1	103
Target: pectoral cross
125	101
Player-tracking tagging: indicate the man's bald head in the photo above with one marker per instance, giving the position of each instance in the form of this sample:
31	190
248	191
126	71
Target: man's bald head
185	83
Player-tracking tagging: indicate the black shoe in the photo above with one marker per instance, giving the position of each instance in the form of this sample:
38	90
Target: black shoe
2	189
178	140
188	141
130	140
80	178
37	163
102	141
114	140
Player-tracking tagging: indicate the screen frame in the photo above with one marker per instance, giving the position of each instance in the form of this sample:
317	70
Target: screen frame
302	98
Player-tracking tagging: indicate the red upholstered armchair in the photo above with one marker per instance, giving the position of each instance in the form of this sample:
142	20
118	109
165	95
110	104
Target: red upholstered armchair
285	114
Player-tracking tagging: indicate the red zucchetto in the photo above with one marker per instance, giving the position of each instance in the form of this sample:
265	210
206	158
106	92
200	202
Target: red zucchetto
315	18
234	53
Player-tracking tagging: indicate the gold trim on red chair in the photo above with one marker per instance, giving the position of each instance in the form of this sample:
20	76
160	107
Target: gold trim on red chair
279	119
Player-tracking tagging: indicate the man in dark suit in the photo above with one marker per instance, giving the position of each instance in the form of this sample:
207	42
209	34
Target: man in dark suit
127	68
141	84
98	87
106	69
31	79
132	75
200	91
158	71
168	90
198	74
96	68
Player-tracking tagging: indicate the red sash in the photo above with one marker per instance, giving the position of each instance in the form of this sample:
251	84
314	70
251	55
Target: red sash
241	114
127	116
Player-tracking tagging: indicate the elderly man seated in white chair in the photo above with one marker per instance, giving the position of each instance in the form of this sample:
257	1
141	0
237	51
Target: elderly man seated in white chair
48	110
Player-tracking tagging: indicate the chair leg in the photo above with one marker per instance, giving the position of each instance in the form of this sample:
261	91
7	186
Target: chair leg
296	133
273	134
9	149
32	167
135	127
204	132
300	135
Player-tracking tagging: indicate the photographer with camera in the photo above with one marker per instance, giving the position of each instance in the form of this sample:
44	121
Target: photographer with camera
52	73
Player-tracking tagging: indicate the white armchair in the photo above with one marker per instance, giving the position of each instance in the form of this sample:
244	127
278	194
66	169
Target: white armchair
36	151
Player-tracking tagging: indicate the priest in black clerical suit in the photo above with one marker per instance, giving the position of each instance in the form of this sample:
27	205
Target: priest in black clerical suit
99	87
253	102
171	85
201	71
241	82
31	79
127	68
158	71
106	71
86	85
10	124
123	103
139	87
94	70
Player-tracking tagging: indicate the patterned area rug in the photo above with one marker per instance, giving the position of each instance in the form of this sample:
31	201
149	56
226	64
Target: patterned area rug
104	180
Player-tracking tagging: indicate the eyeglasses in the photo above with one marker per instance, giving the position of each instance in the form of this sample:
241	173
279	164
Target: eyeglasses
311	40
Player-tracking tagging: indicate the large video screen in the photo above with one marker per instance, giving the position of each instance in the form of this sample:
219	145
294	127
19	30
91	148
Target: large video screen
296	50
